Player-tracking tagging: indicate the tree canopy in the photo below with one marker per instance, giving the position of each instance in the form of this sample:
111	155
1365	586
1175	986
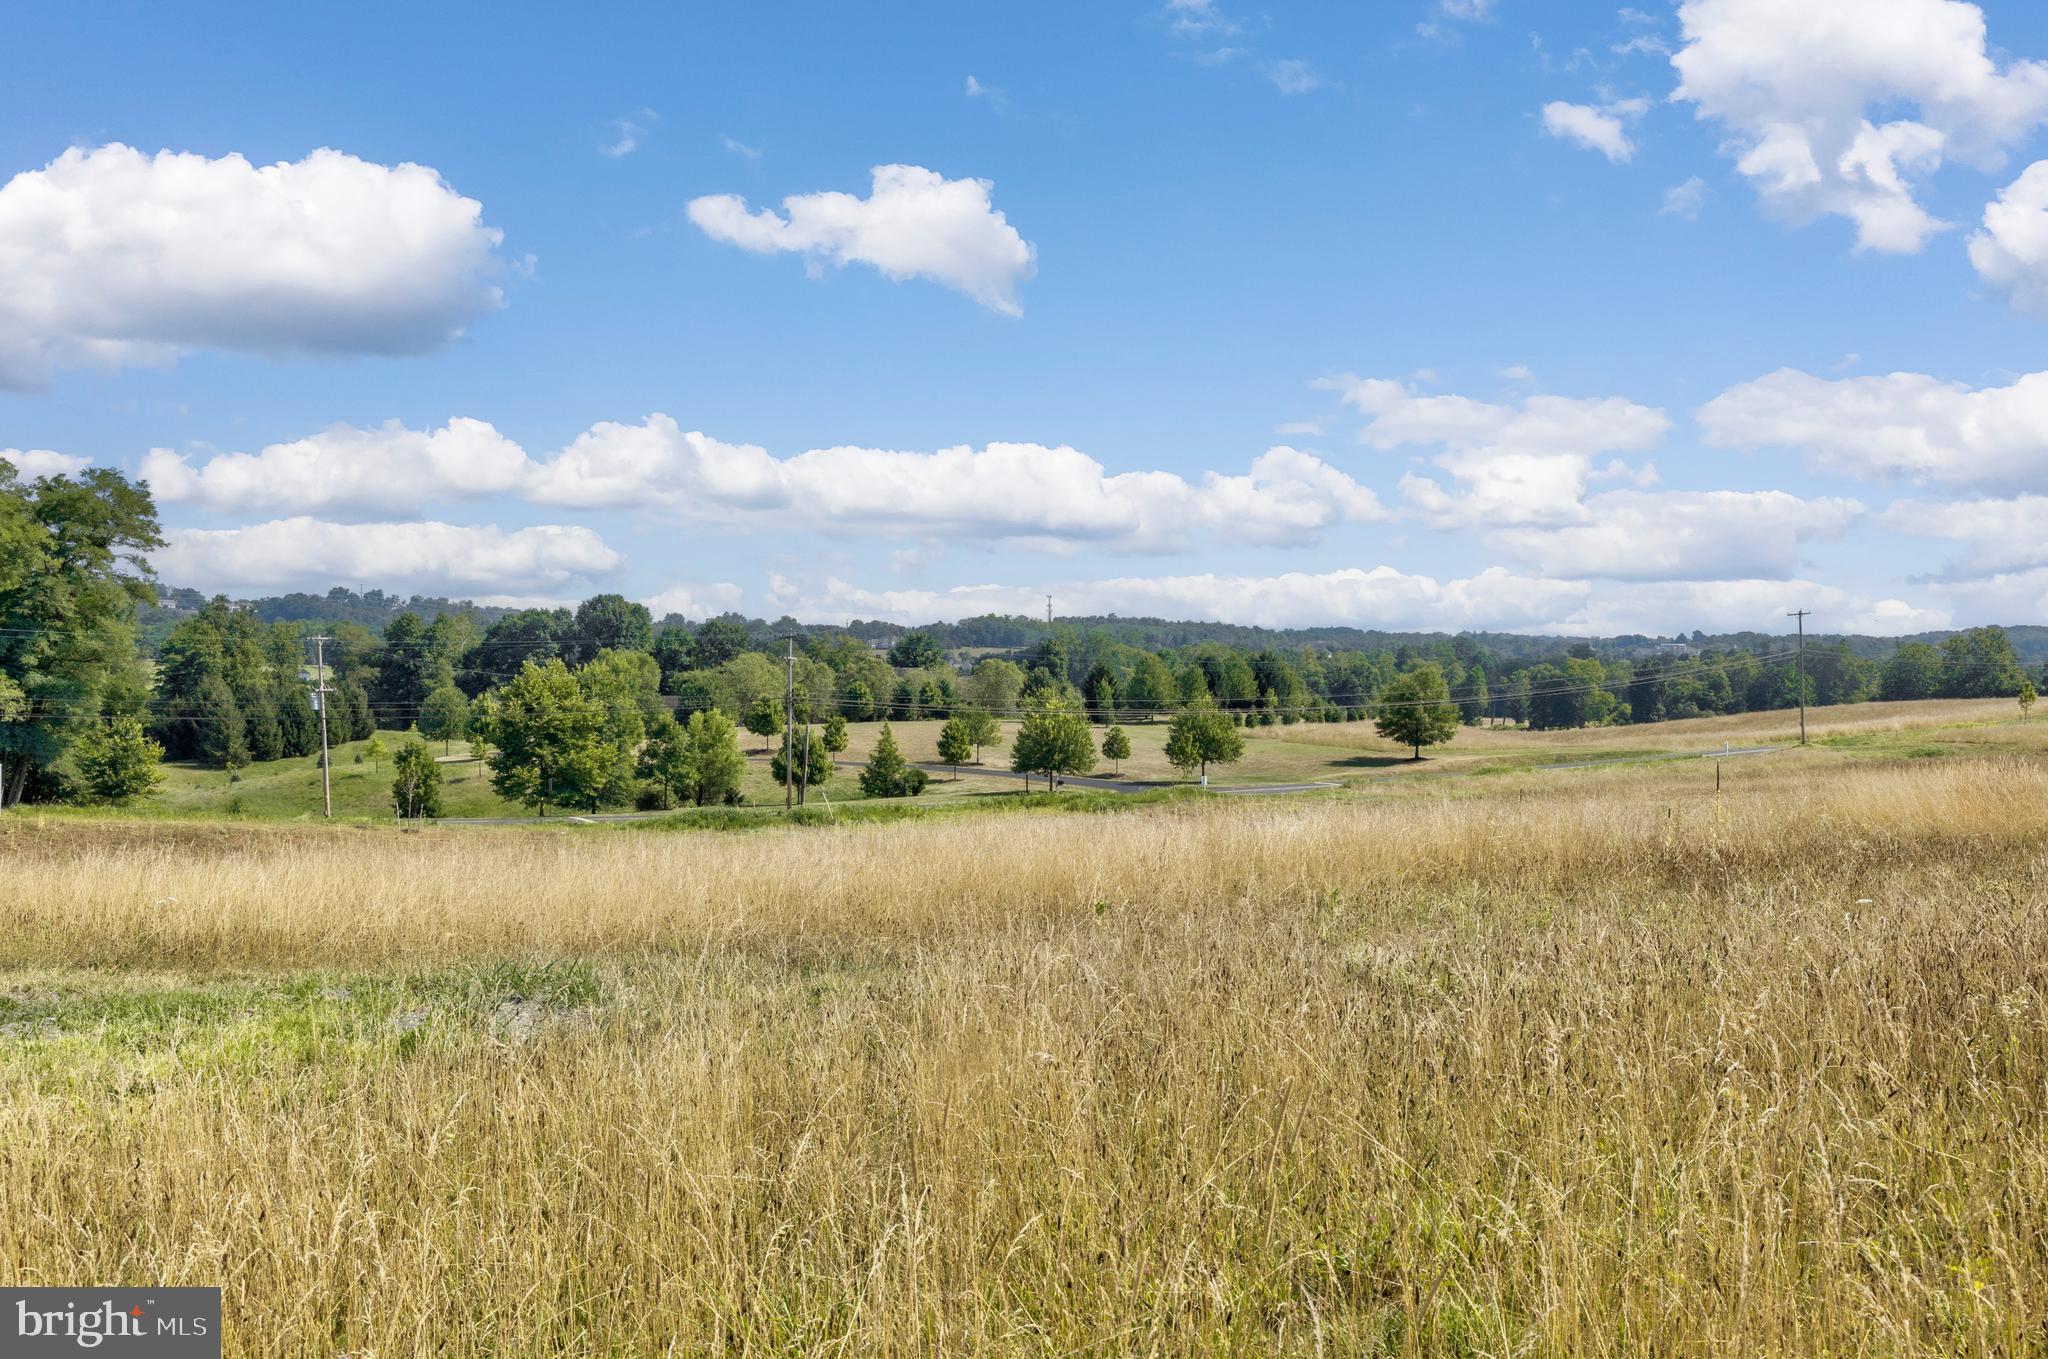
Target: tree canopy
1416	709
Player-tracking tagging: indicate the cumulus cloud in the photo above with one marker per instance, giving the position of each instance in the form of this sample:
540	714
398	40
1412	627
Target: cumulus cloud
1386	598
112	257
347	471
914	223
1797	87
1683	535
1601	128
695	601
1998	536
1529	462
545	560
1001	492
2011	251
1999	598
1906	425
42	462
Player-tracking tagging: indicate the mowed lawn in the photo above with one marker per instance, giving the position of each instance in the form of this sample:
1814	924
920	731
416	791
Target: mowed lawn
1346	753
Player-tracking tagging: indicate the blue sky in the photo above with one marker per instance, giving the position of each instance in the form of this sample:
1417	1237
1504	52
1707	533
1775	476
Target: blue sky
1434	313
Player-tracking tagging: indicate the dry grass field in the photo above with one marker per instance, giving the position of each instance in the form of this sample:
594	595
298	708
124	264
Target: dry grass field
1604	1064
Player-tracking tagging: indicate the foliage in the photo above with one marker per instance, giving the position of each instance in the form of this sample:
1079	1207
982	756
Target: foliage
2028	696
956	744
445	715
416	785
813	762
548	738
1979	663
1416	710
1116	747
915	651
608	623
834	735
888	774
1202	735
117	762
982	729
1053	739
764	719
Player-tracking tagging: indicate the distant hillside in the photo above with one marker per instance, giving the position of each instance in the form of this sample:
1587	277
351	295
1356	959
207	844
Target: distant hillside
1010	632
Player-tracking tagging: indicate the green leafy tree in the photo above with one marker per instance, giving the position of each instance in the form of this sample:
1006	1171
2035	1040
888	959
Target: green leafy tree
887	773
1116	748
1979	663
416	785
548	740
117	762
956	746
764	719
718	770
834	735
223	739
1416	709
813	763
719	641
1052	740
982	729
996	685
1201	735
445	716
857	700
1151	689
664	760
915	651
1913	672
608	623
73	568
2028	697
405	667
374	752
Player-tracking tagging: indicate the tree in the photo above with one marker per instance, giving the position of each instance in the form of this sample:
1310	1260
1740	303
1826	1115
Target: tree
887	773
857	701
405	668
1913	672
117	762
416	785
445	716
665	760
608	623
764	719
1116	747
915	651
548	739
717	767
374	752
1416	709
1201	735
982	729
1979	663
996	685
719	641
813	762
834	736
2028	697
223	742
955	743
1151	688
1052	740
1472	710
73	567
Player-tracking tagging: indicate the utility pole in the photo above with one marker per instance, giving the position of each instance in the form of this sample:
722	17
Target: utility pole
789	728
320	693
1048	610
1800	614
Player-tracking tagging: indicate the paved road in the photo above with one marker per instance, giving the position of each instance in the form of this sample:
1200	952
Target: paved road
1123	785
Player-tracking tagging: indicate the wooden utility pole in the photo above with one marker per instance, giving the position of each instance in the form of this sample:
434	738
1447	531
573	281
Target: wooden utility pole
320	693
789	728
1800	614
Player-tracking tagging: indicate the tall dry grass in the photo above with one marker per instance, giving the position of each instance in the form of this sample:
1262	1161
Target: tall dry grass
1587	1073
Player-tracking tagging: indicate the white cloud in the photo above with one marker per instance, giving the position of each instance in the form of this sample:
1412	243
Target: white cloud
1683	535
1005	492
429	557
1294	76
1797	87
1002	492
1685	200
2011	251
1198	18
1602	128
1493	599
739	148
992	95
42	462
344	470
696	601
915	223
1905	425
1997	535
1525	463
2010	597
631	130
111	257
